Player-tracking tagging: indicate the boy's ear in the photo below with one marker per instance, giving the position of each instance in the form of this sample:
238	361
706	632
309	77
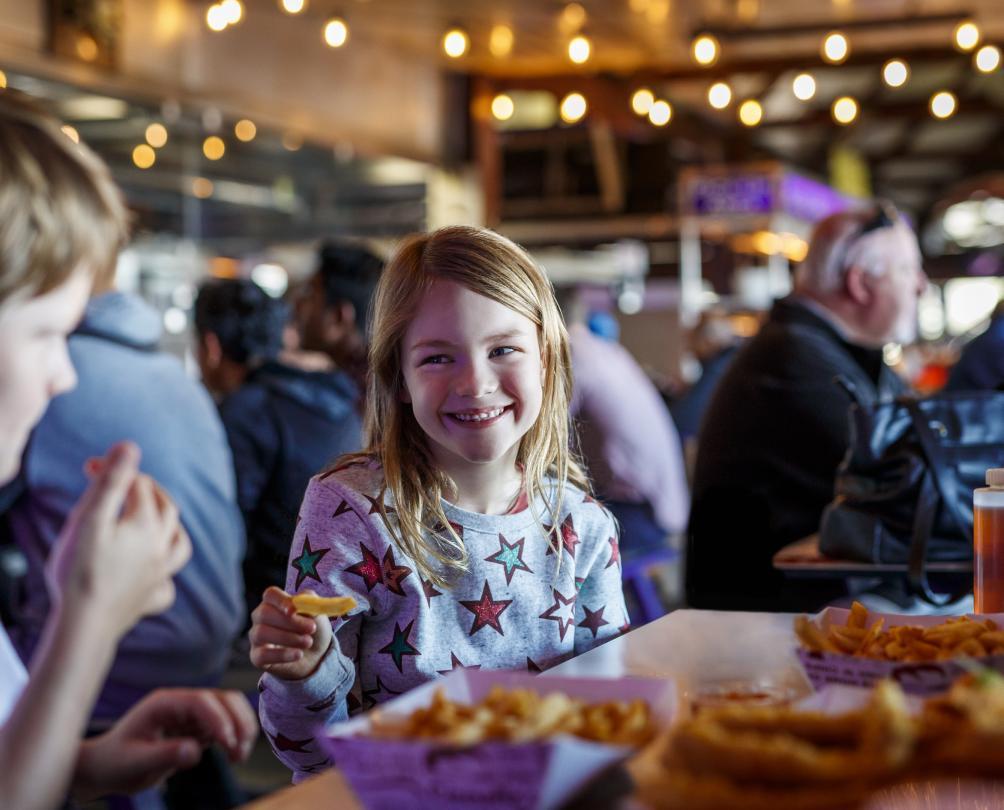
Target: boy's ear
212	350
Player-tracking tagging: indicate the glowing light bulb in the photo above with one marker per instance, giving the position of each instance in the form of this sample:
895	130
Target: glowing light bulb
245	130
293	6
455	43
750	112
844	110
144	156
213	147
202	187
719	95
803	86
580	49
943	104
660	113
642	100
500	41
573	108
234	11
156	135
336	32
967	35
987	59
836	48
895	72
216	17
503	107
705	50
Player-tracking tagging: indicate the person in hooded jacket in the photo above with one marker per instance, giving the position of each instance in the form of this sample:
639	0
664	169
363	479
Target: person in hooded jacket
284	422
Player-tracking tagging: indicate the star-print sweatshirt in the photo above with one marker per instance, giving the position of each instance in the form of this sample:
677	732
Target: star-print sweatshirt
515	608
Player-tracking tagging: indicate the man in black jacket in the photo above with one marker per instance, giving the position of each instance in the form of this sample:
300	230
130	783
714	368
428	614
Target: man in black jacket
284	423
777	426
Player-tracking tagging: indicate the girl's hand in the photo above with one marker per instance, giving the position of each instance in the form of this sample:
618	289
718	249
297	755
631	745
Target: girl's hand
120	546
284	643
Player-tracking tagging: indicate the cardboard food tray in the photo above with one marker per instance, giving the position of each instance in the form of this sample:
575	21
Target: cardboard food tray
916	678
542	775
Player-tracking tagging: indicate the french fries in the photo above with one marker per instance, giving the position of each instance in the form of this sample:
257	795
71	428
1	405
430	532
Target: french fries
521	715
311	605
956	637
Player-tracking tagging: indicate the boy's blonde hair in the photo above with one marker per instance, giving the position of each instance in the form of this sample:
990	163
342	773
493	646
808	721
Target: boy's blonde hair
59	208
489	265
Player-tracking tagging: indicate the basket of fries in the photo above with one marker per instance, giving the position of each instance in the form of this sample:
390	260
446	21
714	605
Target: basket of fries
924	654
480	739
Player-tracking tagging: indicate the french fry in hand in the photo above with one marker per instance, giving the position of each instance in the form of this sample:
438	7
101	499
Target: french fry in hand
310	605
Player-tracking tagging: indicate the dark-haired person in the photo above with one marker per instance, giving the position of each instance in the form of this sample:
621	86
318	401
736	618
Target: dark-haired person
61	224
284	423
332	309
777	426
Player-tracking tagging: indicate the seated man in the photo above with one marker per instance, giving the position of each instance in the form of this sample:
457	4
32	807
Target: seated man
129	390
777	426
284	423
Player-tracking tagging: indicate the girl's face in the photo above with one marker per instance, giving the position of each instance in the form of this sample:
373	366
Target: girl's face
34	362
473	375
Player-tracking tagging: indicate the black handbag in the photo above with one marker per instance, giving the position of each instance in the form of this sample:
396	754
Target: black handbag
904	490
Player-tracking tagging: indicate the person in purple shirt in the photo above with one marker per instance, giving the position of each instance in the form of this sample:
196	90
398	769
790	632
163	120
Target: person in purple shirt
629	442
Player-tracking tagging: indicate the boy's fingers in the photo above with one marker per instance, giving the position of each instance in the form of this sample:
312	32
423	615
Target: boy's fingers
109	488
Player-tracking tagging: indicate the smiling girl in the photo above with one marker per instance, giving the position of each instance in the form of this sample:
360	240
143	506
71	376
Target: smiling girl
465	531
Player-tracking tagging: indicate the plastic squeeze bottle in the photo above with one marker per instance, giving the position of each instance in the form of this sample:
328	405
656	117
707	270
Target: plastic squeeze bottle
988	544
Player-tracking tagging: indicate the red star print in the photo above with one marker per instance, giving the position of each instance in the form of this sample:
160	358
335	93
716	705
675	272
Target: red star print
594	620
615	552
456	664
531	666
430	591
368	568
394	575
562	612
343	507
569	538
486	611
283	743
624	628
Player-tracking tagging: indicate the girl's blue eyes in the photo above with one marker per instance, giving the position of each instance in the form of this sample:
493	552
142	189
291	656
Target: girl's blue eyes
440	359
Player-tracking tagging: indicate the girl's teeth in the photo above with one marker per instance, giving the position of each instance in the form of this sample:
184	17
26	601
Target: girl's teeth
479	417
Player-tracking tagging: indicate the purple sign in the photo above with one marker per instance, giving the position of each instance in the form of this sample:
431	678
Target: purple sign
731	195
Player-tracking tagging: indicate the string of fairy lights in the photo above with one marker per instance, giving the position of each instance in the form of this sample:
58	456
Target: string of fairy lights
705	51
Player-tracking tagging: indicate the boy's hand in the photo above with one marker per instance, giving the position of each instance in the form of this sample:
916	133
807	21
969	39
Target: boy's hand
164	732
284	643
120	546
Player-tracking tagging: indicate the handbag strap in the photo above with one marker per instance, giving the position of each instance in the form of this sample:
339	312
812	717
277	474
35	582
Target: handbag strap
942	472
923	524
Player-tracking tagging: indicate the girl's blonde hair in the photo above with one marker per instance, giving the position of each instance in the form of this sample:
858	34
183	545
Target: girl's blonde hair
489	265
